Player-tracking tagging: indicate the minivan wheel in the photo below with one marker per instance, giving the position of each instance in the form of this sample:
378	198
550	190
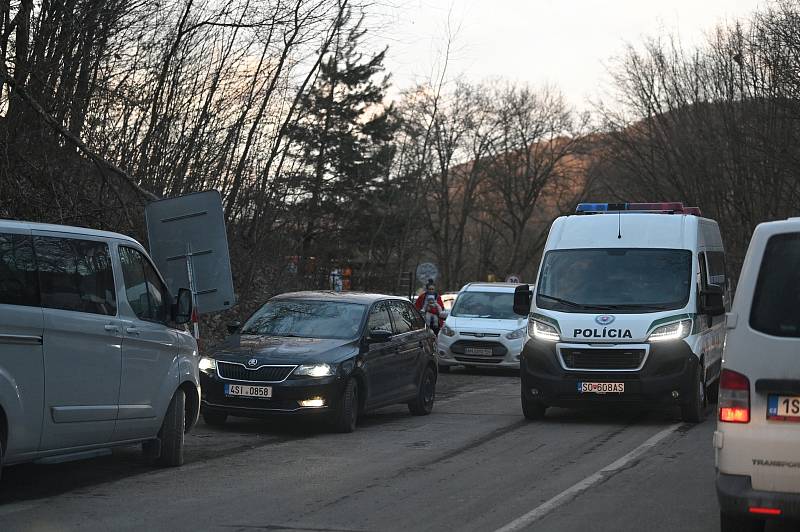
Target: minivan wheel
215	419
346	416
740	523
422	405
533	409
694	409
172	431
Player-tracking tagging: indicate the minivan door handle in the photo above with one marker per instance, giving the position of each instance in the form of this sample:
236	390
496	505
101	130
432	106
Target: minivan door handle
111	328
132	330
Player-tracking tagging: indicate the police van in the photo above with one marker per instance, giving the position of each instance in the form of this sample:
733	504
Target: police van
628	307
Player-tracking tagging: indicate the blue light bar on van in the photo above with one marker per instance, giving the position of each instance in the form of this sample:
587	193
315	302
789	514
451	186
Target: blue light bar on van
666	207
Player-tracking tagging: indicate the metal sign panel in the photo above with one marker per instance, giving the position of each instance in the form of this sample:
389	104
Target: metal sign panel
189	244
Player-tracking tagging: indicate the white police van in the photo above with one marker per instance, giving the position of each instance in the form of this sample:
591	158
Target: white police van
628	307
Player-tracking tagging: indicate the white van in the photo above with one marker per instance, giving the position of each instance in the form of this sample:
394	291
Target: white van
628	307
758	433
93	350
482	329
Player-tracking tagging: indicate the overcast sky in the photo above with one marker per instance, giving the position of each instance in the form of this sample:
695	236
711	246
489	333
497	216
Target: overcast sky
568	43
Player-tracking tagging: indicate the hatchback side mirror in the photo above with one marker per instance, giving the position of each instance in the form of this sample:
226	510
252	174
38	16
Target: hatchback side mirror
522	300
184	306
379	337
234	327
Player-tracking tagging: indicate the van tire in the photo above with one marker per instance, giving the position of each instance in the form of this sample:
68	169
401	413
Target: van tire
422	405
740	523
693	410
2	456
532	409
172	431
345	418
712	393
215	419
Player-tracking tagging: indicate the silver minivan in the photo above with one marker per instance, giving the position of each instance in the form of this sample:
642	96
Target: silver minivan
93	348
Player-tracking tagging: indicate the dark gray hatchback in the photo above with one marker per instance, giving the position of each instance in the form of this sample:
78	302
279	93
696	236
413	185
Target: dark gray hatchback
334	355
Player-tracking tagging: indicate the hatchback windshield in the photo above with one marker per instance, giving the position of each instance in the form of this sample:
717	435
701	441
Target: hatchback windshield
306	319
493	305
578	280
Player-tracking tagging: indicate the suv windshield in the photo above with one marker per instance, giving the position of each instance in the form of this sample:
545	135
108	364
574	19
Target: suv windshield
635	280
492	305
306	319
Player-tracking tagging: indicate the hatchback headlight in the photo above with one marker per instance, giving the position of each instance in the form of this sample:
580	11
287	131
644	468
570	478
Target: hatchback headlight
519	333
314	370
447	331
543	331
207	364
671	331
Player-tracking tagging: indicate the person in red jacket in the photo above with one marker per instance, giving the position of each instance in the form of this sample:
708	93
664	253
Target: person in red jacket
430	304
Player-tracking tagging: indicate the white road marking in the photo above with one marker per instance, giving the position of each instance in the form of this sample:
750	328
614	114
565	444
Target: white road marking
575	490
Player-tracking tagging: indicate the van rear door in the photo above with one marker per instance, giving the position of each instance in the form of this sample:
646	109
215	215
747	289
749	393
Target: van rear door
81	339
21	360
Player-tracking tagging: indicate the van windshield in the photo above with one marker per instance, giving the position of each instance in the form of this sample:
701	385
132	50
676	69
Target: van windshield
620	280
491	305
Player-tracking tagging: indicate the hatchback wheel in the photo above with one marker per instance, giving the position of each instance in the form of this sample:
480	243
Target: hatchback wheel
346	416
694	409
422	405
215	419
172	431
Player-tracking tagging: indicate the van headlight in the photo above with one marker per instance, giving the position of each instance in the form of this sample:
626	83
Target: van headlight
447	331
543	331
672	331
519	333
207	364
314	370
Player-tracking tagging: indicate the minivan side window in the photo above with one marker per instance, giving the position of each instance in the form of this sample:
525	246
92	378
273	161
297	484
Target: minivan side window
19	283
75	275
776	301
146	294
402	318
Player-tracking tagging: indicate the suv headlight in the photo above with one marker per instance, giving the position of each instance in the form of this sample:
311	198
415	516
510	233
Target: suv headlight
672	331
543	331
447	331
207	364
519	333
314	370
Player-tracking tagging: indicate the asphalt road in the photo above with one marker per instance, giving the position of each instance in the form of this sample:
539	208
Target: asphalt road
474	464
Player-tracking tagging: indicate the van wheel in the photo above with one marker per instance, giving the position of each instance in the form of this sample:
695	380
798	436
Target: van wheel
694	409
422	405
740	523
215	419
533	409
346	416
172	431
2	455
712	393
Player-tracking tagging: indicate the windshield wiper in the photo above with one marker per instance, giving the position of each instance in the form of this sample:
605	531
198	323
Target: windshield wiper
562	301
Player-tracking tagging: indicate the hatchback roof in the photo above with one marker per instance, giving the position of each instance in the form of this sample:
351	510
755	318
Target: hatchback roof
68	229
349	297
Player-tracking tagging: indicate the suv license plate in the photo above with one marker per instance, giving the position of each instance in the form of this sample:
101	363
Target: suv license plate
783	407
243	390
480	351
601	387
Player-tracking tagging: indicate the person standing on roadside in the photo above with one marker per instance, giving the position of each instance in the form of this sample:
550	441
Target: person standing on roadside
430	304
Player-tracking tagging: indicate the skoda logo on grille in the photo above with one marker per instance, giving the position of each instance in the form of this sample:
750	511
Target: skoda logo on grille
252	362
604	319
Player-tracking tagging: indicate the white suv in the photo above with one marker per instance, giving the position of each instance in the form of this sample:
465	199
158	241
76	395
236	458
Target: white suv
758	433
482	329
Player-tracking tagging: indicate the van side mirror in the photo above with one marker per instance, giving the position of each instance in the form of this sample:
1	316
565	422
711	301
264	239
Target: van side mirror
711	300
443	314
234	327
522	300
379	337
182	310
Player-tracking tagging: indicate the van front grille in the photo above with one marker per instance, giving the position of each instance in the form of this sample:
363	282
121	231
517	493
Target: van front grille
575	358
